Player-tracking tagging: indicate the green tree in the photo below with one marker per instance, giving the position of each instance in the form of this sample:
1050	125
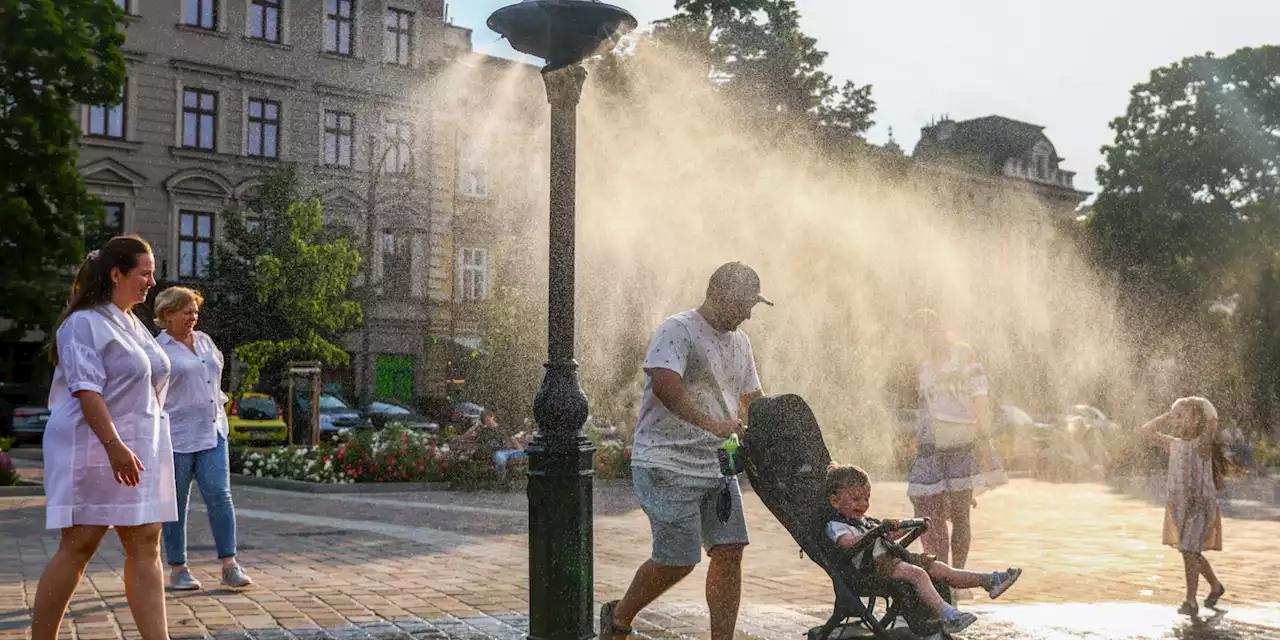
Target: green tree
1189	211
755	51
278	287
54	56
507	375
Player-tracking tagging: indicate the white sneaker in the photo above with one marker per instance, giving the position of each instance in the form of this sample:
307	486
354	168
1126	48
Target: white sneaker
182	580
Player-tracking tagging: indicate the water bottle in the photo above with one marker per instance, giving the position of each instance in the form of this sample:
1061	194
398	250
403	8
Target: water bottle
728	455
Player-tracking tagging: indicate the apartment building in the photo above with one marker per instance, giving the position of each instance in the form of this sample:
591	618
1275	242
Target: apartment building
356	95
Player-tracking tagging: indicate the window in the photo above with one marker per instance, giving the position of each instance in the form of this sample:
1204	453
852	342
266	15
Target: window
199	118
397	157
264	20
473	274
112	226
264	128
339	127
201	13
195	241
397	263
108	122
339	23
124	6
399	37
475	172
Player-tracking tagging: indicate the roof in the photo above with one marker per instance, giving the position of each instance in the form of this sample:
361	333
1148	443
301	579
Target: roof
991	139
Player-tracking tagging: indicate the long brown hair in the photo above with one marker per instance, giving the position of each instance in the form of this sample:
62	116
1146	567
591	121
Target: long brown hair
93	284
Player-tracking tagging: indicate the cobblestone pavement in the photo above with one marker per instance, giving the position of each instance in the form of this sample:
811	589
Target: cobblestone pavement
444	564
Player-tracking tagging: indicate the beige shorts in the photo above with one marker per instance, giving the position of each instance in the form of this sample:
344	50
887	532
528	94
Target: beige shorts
884	564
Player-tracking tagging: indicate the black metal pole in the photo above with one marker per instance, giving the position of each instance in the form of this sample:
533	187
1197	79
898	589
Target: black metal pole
560	477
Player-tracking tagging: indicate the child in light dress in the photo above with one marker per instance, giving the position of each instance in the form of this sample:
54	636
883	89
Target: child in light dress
1192	523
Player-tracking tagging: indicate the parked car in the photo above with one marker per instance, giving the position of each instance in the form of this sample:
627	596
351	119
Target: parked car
1092	416
335	416
256	418
1095	433
1019	438
26	424
386	412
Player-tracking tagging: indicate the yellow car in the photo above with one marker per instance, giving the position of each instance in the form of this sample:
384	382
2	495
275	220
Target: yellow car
256	418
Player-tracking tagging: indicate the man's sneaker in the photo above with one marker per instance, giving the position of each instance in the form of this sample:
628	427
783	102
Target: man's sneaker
957	621
1002	580
234	576
182	580
609	630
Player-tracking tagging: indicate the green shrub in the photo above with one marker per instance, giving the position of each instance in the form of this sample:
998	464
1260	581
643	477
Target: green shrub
8	473
613	462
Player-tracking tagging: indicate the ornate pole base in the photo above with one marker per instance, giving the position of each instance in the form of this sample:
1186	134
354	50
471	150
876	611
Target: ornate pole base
561	571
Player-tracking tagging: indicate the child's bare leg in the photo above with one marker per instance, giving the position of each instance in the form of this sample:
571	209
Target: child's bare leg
924	587
958	578
1209	575
1191	563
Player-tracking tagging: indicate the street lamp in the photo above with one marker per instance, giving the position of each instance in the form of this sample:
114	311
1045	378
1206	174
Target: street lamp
562	32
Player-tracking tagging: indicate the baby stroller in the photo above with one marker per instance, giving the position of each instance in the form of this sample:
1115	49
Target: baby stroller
786	461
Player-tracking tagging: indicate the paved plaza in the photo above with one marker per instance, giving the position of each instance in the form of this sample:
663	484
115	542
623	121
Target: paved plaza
454	565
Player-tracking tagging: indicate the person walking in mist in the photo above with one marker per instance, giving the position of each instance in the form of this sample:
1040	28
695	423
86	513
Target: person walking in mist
108	460
198	425
952	438
1192	521
701	379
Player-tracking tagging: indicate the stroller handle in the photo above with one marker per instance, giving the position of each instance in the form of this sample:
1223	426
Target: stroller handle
913	523
917	526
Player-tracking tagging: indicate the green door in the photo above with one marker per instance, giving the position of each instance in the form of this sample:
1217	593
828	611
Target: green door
394	378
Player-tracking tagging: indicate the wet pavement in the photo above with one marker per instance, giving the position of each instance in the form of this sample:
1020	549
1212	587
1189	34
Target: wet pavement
453	565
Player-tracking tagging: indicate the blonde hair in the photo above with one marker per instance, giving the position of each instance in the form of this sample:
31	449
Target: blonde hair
1205	409
176	299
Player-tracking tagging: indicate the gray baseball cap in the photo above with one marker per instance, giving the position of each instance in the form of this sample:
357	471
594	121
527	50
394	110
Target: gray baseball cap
739	281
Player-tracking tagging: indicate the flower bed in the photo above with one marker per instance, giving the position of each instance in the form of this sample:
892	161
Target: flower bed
613	461
8	472
394	454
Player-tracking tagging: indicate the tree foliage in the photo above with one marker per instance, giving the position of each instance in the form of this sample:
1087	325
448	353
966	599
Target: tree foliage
54	56
1189	212
278	286
1189	189
755	52
506	376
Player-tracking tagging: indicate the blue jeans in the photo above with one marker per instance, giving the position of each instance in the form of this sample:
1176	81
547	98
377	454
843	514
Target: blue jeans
212	471
500	459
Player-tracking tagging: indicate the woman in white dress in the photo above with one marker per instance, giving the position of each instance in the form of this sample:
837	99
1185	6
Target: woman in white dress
198	426
108	461
1192	521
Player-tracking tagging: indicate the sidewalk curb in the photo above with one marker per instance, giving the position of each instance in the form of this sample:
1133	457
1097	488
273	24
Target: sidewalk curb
24	488
21	453
315	487
299	486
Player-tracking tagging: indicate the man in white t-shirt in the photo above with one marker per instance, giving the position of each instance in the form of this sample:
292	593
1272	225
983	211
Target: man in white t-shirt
701	378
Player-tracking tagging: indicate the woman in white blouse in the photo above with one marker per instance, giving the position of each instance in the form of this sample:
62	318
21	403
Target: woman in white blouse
107	455
198	425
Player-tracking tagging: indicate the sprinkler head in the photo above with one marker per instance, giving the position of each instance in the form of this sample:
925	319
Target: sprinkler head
562	32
